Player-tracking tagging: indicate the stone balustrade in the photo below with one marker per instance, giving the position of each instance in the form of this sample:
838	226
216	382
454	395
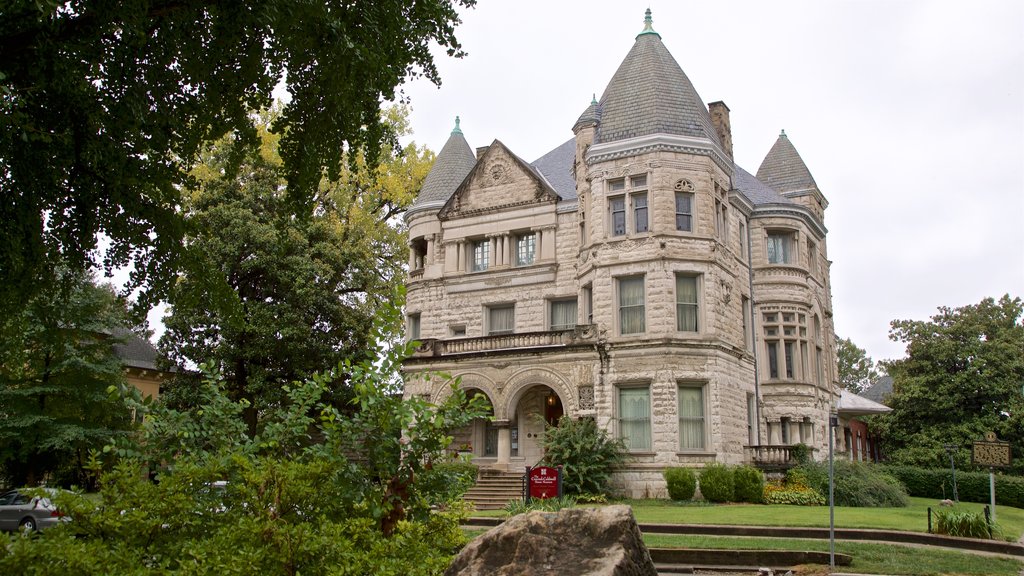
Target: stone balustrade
770	457
518	341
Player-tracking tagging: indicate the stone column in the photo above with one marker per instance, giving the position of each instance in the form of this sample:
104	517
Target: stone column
504	444
460	249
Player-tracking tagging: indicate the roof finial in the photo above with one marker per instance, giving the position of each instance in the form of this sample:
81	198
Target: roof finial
648	25
783	135
593	99
457	130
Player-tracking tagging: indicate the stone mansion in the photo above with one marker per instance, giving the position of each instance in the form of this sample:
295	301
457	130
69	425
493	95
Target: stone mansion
635	275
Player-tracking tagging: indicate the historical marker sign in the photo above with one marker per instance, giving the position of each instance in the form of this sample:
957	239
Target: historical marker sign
991	452
543	482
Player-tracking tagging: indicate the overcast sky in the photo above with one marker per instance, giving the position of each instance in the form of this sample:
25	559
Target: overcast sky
909	114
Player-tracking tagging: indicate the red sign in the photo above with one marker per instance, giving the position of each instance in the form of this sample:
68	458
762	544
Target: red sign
543	482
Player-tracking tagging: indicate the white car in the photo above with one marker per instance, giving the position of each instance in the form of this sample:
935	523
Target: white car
30	513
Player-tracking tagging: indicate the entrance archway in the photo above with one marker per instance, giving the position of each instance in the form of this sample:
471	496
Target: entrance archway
537	406
479	438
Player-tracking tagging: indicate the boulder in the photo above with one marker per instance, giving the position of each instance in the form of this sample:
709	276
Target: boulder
599	542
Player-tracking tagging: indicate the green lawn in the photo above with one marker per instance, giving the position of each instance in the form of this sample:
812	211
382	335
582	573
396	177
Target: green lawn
868	558
913	518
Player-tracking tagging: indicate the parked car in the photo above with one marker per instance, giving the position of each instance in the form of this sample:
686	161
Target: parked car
20	510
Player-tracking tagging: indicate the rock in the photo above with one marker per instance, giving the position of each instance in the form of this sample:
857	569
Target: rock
946	502
597	542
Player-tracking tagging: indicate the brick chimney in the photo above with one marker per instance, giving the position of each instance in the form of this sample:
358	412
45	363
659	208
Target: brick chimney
720	118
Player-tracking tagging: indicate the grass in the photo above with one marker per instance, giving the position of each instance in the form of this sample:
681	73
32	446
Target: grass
868	558
913	518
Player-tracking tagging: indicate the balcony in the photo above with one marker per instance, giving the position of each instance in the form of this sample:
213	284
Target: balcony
770	458
580	335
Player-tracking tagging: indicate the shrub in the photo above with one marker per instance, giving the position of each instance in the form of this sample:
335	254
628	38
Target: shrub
962	524
682	483
516	507
716	483
971	486
800	453
793	494
857	484
447	481
587	454
749	484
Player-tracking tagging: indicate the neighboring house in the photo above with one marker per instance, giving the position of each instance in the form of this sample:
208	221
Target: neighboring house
634	275
879	390
138	357
857	442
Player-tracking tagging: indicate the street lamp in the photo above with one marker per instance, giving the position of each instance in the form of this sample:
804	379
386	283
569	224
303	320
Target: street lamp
950	449
833	423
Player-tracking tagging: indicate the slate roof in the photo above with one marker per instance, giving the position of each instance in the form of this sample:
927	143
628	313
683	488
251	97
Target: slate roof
450	168
133	350
879	390
783	169
755	190
556	167
651	94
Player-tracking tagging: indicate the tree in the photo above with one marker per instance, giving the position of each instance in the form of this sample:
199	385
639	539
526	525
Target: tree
961	378
105	107
268	298
857	371
56	365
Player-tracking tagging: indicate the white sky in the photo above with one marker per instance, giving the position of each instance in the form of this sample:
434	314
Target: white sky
909	114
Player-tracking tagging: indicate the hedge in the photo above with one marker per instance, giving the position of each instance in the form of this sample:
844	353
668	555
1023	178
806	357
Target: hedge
681	483
970	486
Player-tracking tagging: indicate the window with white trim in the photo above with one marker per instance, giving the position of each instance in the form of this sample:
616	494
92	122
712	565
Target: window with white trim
563	314
632	310
501	319
686	302
692	430
481	255
526	249
780	247
785	337
684	211
634	417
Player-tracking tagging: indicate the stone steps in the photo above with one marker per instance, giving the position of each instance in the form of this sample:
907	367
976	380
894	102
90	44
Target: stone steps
494	489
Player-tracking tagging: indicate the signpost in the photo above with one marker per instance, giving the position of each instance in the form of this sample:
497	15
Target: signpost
543	482
993	453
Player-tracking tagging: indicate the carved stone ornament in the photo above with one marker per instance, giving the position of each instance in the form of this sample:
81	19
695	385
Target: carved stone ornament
498	172
683	185
586	397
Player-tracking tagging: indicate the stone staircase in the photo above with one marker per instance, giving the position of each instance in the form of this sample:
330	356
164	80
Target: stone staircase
494	488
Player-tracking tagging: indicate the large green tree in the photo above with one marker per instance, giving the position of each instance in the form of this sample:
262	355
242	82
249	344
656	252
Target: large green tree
961	378
269	297
56	365
856	369
105	106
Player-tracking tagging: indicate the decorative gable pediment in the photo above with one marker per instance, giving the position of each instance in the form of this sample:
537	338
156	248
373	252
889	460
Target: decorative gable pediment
499	181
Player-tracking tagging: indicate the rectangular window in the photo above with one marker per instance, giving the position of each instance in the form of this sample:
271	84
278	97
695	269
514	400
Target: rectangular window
779	248
414	326
639	212
686	303
789	360
458	330
635	418
563	314
481	255
812	258
631	305
773	359
743	239
526	249
691	417
500	320
588	303
745	303
751	420
616	185
638	182
684	211
617	206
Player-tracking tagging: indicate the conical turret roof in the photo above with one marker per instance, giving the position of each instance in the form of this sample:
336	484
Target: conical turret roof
650	94
451	166
783	169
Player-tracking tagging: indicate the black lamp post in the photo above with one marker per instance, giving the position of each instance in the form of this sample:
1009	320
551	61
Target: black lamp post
950	449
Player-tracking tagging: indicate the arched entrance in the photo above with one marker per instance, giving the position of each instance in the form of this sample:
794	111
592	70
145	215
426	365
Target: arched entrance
537	406
479	438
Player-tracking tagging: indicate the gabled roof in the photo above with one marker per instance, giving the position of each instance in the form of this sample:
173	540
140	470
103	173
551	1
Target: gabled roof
450	168
756	191
650	94
851	405
783	169
133	350
556	167
879	390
